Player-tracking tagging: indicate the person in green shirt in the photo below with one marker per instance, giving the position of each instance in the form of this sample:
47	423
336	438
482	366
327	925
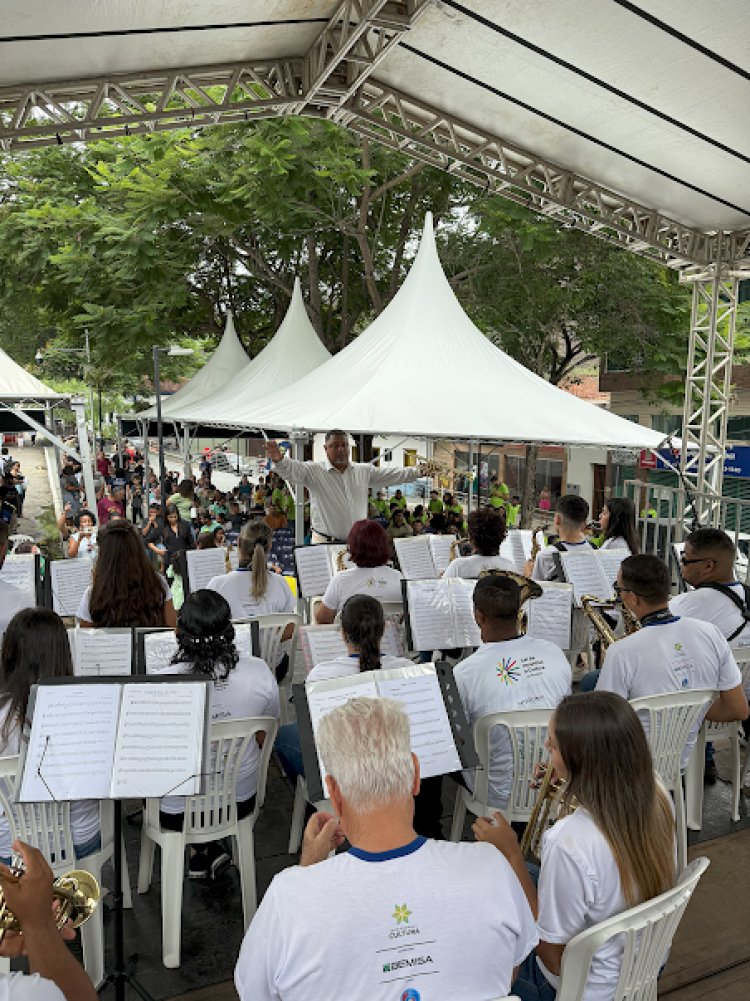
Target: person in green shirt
435	505
400	500
512	511
450	505
499	494
184	499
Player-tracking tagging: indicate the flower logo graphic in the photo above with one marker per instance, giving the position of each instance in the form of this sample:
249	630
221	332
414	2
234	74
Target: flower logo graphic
508	670
402	914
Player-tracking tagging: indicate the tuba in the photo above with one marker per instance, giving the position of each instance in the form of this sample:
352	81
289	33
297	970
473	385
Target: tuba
77	895
550	806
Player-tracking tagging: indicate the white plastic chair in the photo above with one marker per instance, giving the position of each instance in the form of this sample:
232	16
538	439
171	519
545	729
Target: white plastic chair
647	931
672	717
697	765
301	798
527	729
207	817
272	628
46	826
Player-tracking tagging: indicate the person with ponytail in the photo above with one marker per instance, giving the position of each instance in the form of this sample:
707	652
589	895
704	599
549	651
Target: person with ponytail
617	850
241	687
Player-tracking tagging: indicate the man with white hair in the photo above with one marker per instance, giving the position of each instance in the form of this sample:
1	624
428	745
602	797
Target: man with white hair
397	915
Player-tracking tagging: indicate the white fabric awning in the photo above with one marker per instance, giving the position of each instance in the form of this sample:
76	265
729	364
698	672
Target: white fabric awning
293	352
423	369
19	386
227	360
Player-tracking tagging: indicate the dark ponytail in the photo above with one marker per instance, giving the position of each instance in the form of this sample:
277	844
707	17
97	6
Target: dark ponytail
363	625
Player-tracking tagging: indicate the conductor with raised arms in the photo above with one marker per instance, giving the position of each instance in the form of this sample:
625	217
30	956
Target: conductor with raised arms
338	487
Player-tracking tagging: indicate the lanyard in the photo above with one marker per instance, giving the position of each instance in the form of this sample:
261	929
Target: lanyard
661	618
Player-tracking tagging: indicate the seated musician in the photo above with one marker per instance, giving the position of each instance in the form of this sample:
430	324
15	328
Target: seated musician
397	916
507	672
669	653
486	533
615	851
571	515
369	549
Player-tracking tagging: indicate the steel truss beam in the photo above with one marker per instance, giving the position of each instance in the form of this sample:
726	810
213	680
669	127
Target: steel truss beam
708	390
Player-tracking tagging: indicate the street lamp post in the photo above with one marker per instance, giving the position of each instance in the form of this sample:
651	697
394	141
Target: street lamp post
171	352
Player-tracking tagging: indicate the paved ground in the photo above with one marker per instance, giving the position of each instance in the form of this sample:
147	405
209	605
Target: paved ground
38	495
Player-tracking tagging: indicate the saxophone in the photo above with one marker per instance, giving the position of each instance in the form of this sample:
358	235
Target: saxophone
592	609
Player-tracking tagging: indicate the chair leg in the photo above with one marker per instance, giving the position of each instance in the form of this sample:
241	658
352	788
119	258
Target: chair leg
172	876
736	775
459	815
694	783
246	865
681	826
145	862
298	817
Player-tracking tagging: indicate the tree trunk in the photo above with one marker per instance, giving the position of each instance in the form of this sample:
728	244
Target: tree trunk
528	495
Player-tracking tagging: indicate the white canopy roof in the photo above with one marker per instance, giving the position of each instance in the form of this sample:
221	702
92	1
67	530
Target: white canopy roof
423	369
293	352
19	386
226	361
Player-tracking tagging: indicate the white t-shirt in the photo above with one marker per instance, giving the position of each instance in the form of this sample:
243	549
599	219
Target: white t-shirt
383	583
83	614
12	600
472	566
249	690
348	664
676	655
579	886
84	814
524	673
545	567
86	543
616	542
236	588
710	605
447	920
19	987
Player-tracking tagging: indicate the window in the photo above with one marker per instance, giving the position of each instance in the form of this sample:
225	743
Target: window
738	428
667	423
410	457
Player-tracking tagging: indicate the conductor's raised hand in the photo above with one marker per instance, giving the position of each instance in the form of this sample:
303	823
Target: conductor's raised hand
273	451
322	836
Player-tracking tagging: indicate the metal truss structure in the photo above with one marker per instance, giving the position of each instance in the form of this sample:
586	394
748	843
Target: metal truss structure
337	80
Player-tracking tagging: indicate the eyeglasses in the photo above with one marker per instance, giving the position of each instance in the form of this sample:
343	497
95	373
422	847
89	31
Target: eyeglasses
699	559
619	591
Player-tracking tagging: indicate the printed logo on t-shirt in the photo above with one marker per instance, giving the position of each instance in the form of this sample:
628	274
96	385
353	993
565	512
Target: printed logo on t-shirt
410	995
402	913
508	670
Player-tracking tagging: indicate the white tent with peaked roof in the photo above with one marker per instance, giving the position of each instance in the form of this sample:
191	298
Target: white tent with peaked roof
19	386
226	361
293	352
423	369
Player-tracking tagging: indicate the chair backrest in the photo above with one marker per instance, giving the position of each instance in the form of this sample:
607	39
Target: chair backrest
272	628
14	541
647	931
216	809
672	718
527	729
45	826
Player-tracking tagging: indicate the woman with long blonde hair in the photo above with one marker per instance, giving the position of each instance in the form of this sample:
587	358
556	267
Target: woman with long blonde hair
617	850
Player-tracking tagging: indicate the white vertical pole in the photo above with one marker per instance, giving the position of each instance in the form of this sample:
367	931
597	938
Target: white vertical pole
79	408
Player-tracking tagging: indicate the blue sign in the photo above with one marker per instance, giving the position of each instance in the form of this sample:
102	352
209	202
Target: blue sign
736	460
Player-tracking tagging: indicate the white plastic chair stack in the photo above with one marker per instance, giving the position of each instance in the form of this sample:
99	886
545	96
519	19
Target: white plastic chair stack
208	817
647	932
672	717
272	628
527	729
46	826
696	768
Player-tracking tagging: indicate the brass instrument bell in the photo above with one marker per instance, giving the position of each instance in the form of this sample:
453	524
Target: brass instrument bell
77	895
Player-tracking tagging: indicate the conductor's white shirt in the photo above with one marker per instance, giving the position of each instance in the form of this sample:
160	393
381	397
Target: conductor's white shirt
431	919
19	987
472	566
676	655
337	499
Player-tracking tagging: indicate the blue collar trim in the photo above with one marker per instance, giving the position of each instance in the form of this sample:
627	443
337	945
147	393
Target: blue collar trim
661	622
409	849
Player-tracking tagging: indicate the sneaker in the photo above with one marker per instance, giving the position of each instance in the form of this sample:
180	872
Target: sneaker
199	866
219	864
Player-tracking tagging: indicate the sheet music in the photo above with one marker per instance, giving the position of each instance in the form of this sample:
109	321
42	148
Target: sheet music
585	572
243	639
323	696
465	629
314	569
321	643
441	551
20	571
431	736
203	565
415	558
159	648
610	560
72	743
549	615
508	551
160	740
70	578
98	652
393	639
430	614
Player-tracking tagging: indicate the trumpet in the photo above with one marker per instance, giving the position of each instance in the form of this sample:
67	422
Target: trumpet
550	805
77	895
455	549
